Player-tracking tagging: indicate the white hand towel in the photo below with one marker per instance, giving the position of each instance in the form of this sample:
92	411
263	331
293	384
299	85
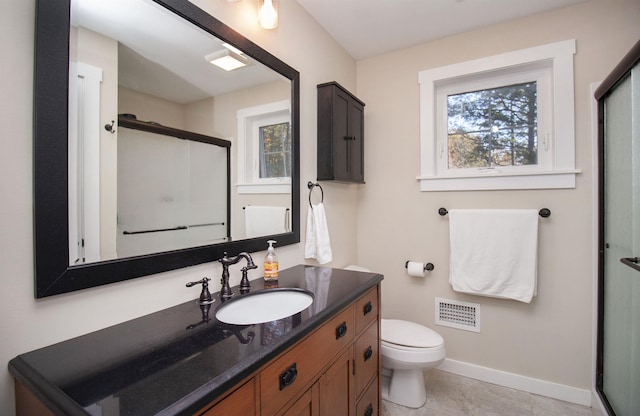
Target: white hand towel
265	220
317	243
494	253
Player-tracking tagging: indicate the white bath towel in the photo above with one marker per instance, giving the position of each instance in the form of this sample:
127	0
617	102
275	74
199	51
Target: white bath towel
264	220
494	253
318	244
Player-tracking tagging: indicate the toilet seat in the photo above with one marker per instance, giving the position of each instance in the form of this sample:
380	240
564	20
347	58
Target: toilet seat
397	347
408	336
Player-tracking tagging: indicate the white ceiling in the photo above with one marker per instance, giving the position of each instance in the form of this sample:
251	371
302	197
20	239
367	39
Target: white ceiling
162	55
366	28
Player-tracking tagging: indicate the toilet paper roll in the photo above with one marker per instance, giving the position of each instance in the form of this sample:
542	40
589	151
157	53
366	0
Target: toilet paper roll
415	268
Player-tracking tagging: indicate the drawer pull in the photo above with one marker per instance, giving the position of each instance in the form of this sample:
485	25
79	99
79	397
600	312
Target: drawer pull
369	410
288	376
368	353
367	308
341	330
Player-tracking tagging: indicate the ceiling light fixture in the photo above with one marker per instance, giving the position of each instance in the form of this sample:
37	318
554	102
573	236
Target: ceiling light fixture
268	13
227	60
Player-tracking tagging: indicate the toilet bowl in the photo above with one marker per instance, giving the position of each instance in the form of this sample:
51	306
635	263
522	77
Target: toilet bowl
407	350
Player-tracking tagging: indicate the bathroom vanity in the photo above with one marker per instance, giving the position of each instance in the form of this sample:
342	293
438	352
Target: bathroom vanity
182	361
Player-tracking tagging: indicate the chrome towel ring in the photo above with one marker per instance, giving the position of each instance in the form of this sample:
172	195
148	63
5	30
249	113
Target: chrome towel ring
312	185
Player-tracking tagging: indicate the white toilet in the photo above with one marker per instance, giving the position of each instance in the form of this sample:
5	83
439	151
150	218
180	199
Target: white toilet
407	350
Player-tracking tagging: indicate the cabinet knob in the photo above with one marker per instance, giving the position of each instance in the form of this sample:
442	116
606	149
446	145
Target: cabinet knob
368	353
288	376
367	308
341	330
369	410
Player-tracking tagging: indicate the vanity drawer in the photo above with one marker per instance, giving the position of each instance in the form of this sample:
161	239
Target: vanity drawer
366	309
288	374
366	357
242	402
368	404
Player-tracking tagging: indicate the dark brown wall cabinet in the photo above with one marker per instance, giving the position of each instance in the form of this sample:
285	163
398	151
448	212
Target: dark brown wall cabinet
340	134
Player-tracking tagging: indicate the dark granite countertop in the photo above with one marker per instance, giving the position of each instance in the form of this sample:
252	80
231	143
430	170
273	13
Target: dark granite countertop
171	362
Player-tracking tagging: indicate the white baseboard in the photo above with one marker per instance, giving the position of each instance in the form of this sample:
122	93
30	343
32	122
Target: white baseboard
518	382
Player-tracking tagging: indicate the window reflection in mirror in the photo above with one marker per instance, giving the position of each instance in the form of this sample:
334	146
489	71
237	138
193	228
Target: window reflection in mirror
275	151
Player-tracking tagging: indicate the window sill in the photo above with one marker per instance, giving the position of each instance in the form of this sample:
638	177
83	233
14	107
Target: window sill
264	188
500	181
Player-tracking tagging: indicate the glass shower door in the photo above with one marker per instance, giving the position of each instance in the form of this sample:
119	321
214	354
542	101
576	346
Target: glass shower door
619	375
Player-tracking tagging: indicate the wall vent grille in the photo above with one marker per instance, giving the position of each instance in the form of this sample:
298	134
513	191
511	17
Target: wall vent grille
458	314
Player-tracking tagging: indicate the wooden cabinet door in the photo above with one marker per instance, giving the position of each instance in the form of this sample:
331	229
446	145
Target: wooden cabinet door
341	135
355	149
366	357
337	395
348	137
307	405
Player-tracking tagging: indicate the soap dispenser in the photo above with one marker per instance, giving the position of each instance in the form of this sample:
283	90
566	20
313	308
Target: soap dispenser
271	263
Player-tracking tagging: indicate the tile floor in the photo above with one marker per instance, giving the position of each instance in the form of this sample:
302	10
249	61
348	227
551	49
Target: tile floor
453	395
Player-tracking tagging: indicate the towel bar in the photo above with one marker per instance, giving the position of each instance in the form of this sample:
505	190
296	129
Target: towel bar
177	228
245	207
544	212
631	262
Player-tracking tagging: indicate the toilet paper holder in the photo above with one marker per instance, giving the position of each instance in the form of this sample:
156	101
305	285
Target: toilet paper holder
427	266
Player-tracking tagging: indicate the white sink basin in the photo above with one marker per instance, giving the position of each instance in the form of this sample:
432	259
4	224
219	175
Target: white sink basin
264	306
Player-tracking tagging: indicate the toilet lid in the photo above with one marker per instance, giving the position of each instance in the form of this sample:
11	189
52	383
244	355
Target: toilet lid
409	334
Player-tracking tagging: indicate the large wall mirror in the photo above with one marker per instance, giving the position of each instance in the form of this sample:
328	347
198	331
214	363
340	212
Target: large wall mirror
147	156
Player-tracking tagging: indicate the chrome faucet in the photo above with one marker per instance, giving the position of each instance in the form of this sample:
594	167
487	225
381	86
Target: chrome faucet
225	292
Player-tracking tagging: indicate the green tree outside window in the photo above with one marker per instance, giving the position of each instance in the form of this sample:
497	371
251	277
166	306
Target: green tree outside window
275	151
493	127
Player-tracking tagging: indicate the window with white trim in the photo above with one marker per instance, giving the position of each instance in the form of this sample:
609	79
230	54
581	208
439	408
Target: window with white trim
264	148
501	122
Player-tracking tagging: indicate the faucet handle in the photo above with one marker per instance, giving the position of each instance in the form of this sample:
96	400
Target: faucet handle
205	295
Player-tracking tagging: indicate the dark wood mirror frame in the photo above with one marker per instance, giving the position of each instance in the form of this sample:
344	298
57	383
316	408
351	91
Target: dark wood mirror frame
53	275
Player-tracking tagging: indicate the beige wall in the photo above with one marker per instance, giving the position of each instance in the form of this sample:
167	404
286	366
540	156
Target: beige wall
26	323
551	338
